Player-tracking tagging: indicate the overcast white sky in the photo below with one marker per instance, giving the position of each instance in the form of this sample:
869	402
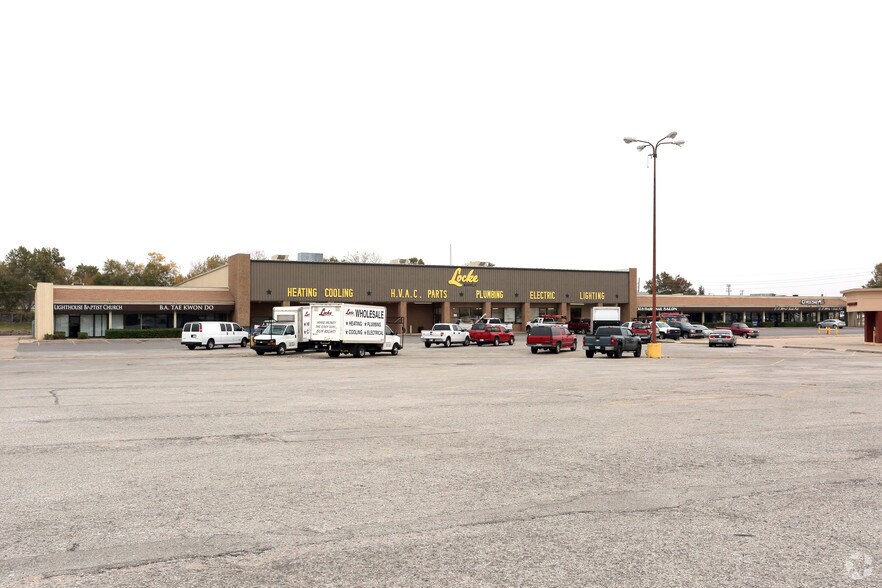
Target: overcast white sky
450	131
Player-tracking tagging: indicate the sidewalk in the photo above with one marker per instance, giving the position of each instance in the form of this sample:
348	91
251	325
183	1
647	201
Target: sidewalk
819	341
8	346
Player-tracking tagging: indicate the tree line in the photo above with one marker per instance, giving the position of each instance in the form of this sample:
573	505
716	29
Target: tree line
22	269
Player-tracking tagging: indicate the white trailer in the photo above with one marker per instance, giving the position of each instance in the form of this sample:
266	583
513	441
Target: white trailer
352	328
605	316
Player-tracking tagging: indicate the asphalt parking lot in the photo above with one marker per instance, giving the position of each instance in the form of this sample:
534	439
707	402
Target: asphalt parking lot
132	463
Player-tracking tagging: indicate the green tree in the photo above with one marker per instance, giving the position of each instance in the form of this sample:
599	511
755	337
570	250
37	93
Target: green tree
415	261
85	274
158	271
116	273
23	269
671	285
876	280
701	290
15	293
40	265
209	263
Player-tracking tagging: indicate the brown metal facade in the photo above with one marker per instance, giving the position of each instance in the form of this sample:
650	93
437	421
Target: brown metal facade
421	294
381	283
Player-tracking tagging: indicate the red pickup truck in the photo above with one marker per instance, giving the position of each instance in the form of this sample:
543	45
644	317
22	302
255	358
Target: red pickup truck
580	325
491	334
742	330
552	338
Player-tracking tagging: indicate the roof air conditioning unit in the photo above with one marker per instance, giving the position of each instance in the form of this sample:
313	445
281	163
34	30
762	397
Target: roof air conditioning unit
279	257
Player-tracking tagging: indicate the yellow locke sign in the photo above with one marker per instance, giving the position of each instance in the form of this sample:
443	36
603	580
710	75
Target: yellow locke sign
459	278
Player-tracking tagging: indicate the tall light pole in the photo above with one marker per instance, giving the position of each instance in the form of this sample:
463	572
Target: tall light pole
654	348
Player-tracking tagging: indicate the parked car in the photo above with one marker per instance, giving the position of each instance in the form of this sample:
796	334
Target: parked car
665	331
639	329
491	334
493	321
687	329
742	330
832	324
579	325
208	334
704	331
546	319
551	337
721	337
445	334
613	341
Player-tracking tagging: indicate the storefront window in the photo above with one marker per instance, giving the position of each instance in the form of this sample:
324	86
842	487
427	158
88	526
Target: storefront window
537	311
156	321
467	314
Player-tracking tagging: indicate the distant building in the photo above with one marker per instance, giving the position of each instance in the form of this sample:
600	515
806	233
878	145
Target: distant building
310	257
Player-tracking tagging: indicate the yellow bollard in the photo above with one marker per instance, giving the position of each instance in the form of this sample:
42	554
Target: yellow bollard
828	330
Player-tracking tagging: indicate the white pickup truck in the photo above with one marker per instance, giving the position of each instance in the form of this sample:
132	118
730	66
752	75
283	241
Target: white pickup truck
544	321
494	321
445	334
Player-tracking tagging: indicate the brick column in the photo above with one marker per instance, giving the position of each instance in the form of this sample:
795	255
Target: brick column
565	310
487	308
872	327
446	314
239	280
402	312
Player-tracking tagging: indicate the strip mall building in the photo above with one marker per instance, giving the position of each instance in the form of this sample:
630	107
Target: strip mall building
416	296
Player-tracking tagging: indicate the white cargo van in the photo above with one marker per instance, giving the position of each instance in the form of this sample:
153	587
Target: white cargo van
208	334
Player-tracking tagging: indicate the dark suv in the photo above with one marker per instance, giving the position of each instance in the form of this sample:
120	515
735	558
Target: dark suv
687	330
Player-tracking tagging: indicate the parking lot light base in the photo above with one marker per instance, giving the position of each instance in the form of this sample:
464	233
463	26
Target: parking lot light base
653	350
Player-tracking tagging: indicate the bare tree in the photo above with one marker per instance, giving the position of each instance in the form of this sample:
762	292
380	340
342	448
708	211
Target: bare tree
362	257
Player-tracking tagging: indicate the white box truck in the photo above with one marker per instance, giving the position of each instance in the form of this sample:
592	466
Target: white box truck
352	328
299	315
605	316
289	330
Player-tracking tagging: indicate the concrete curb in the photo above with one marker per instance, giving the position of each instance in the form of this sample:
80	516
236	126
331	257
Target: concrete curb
812	348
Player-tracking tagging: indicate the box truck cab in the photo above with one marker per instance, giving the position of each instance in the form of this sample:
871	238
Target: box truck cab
298	316
208	334
353	329
278	338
